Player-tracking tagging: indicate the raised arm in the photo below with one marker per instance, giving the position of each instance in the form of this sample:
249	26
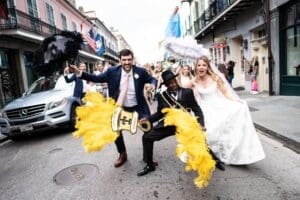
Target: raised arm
69	79
90	77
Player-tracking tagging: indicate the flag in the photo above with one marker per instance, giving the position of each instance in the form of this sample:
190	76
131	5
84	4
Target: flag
99	44
173	28
95	41
88	38
3	9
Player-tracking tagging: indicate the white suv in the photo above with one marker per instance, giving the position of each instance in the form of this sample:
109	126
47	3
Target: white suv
48	103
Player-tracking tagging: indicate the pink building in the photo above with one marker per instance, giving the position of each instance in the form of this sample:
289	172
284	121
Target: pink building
28	23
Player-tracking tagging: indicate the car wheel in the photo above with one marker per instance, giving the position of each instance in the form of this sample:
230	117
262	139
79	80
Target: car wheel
72	121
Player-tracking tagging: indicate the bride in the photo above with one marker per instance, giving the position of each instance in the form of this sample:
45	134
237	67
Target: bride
230	131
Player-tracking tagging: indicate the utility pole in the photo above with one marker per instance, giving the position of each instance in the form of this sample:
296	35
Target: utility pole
270	55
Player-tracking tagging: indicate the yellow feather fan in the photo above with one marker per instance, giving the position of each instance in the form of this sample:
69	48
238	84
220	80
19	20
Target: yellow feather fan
191	140
93	121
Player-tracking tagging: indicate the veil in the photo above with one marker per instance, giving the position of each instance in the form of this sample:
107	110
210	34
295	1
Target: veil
187	48
228	87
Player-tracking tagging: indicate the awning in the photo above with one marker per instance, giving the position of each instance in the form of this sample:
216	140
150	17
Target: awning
89	55
23	35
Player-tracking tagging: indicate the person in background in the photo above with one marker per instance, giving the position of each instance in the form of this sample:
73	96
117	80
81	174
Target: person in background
81	86
149	95
101	87
222	68
253	72
185	76
157	73
99	69
230	70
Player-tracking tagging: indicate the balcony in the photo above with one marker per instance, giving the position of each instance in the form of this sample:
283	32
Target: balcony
20	20
217	12
111	53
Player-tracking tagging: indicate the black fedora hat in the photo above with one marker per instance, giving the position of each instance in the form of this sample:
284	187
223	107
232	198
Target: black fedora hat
168	75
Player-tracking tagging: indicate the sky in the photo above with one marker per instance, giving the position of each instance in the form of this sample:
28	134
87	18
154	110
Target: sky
141	22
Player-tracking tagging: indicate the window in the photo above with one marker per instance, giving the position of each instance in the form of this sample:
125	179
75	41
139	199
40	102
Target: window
3	60
290	34
293	50
50	14
64	22
32	8
28	61
74	26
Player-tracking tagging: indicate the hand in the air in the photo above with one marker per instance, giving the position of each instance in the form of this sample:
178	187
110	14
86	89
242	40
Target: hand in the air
149	87
66	70
74	69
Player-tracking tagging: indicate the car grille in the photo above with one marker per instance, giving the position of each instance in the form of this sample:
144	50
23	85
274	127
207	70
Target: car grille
25	112
27	121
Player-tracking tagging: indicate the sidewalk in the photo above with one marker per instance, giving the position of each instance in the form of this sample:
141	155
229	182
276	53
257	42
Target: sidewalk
278	116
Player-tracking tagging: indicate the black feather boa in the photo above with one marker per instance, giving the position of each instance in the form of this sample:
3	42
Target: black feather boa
55	51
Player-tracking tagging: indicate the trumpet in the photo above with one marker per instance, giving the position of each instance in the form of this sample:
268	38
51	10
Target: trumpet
175	104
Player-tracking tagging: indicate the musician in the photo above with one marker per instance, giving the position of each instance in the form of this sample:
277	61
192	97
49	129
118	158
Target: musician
176	97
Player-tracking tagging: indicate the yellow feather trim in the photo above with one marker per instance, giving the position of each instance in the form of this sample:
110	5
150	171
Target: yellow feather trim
191	139
93	121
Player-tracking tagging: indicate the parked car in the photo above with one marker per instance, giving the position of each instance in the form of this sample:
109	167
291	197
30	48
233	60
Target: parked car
48	103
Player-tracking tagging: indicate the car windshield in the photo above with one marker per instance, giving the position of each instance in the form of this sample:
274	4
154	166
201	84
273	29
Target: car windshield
49	83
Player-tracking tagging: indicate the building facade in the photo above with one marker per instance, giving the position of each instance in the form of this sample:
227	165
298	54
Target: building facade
27	23
110	42
285	42
238	30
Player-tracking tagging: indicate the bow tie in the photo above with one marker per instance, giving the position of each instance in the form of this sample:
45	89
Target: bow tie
174	93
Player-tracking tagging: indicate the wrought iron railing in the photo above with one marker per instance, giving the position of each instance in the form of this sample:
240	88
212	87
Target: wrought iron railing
110	51
216	7
20	20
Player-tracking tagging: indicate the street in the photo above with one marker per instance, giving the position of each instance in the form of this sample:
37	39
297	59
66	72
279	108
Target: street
28	168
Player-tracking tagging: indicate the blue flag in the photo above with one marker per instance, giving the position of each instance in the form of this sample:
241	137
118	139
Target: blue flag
100	44
173	28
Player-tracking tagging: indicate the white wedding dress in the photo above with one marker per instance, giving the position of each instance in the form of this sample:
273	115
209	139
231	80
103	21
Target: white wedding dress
230	131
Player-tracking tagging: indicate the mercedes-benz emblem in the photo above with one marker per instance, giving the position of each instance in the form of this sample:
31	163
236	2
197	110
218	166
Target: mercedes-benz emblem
23	112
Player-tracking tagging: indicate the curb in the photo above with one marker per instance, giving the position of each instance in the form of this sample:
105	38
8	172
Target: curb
3	139
287	142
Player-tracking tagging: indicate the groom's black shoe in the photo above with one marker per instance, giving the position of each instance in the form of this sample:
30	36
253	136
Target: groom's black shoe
220	165
146	170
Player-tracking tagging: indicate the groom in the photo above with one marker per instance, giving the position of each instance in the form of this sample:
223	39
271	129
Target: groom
126	84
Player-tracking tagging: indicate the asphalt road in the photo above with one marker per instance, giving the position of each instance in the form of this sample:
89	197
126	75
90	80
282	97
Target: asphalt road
27	169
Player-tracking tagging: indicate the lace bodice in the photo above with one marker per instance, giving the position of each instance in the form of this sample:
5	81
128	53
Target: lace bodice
208	92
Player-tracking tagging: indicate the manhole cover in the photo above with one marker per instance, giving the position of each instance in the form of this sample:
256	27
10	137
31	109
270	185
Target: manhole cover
253	109
75	174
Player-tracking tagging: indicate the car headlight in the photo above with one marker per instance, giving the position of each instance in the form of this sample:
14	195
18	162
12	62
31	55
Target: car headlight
56	104
1	113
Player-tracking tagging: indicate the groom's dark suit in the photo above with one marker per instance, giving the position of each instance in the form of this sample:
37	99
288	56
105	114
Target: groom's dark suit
186	98
112	76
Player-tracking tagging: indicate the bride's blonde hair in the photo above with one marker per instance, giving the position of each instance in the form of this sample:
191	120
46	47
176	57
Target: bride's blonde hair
210	72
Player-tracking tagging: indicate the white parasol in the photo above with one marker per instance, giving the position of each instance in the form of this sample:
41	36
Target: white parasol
185	48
